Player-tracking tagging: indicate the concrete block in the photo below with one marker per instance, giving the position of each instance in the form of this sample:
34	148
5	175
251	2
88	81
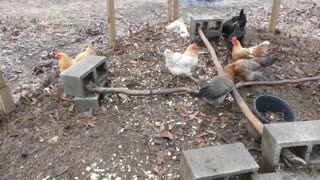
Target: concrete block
83	103
217	162
302	138
285	176
211	26
6	101
75	78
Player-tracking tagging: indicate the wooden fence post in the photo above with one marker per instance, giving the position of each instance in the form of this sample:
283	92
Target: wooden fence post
175	10
170	10
274	15
111	24
6	101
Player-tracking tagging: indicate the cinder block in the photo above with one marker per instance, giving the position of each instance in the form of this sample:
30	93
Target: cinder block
211	26
75	78
302	138
6	101
217	162
285	176
82	103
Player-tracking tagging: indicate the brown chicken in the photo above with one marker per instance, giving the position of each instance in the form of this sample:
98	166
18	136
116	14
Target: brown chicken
90	51
64	61
247	68
238	52
219	87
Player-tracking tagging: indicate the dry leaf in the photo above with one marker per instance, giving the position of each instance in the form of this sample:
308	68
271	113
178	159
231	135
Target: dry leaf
182	110
61	169
203	133
71	109
166	134
123	96
161	127
298	70
133	62
160	158
223	125
192	116
53	140
91	123
159	171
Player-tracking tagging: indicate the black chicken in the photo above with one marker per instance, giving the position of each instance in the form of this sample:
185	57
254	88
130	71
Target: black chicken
237	32
229	26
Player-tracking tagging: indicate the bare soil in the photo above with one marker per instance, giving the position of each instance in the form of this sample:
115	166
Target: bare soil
132	137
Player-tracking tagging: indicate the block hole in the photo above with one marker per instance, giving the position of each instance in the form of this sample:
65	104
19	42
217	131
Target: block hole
315	155
245	176
101	70
89	78
300	151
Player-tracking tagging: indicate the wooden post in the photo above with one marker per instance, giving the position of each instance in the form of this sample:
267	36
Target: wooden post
170	3
2	82
175	10
111	24
6	101
274	15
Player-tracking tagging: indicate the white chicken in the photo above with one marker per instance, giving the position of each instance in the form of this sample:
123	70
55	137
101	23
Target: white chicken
182	64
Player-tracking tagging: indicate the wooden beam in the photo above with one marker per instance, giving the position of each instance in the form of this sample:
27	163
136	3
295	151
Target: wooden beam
175	10
111	24
2	82
169	9
274	15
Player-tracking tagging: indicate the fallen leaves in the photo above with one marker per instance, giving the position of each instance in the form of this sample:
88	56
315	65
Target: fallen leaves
90	119
166	134
53	140
61	169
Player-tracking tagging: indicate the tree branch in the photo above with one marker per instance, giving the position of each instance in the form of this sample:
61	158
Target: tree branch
287	81
253	120
105	90
211	50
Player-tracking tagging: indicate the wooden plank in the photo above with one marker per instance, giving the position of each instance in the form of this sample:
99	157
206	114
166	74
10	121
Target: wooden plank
175	10
169	9
111	24
2	82
274	15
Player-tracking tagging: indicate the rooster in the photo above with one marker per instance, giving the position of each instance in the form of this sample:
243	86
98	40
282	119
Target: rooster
182	64
247	68
238	52
219	87
65	61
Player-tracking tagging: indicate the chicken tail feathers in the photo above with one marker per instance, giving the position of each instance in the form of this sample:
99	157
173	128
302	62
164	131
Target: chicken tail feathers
269	61
168	55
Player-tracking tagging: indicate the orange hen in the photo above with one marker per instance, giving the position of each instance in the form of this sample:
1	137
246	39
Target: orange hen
238	52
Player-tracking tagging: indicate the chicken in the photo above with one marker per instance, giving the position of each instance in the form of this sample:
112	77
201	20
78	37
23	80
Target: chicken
238	52
247	68
182	64
230	25
219	87
236	33
90	51
64	61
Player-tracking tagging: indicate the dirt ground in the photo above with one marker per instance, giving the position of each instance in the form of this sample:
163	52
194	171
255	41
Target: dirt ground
135	137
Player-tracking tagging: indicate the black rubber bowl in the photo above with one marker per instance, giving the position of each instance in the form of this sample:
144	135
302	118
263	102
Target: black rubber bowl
267	103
